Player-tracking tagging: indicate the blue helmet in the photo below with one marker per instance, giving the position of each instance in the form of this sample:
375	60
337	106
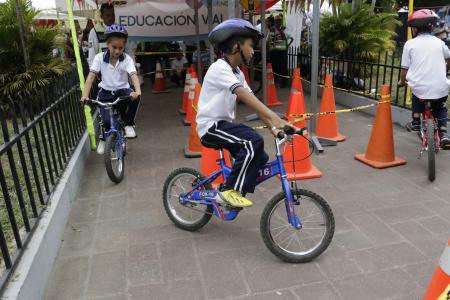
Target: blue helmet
234	28
116	31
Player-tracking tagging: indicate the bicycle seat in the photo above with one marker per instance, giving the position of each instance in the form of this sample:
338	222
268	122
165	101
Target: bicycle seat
210	145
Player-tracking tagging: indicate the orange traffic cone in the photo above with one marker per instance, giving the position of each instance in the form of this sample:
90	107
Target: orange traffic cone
208	163
272	97
191	97
244	70
327	126
439	288
297	80
296	161
295	106
160	81
380	151
184	104
194	147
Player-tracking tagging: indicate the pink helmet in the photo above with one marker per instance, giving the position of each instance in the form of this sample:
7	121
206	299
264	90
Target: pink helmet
423	18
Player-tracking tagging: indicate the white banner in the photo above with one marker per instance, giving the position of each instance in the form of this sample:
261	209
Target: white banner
152	20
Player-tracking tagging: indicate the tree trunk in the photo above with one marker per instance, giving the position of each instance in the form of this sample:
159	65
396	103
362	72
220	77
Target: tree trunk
374	2
23	35
354	6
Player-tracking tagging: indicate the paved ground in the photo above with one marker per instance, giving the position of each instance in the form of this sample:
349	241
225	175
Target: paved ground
391	227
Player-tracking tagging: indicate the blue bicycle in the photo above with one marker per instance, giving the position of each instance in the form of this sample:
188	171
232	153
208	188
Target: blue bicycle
115	140
296	225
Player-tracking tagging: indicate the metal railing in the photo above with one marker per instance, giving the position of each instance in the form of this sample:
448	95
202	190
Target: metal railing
39	132
357	74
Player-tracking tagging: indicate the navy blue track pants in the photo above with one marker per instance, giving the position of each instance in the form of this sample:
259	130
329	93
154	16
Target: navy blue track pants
247	148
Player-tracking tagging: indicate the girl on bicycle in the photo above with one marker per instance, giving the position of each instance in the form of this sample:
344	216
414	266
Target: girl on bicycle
224	83
424	69
115	67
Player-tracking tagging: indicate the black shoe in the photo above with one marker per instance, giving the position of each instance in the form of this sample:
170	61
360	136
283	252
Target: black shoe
445	141
413	126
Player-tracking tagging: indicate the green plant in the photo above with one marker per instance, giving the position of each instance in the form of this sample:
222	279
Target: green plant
363	33
40	41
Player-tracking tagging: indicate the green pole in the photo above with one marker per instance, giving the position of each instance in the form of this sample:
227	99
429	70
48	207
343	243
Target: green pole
76	49
283	5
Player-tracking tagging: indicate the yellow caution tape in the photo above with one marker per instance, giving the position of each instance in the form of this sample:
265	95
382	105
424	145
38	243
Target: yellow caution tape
364	93
339	111
307	116
160	52
164	70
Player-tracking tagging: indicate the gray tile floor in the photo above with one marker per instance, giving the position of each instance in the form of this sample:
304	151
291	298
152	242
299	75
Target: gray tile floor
391	226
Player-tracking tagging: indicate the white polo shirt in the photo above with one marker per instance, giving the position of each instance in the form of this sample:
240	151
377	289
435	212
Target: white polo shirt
178	65
113	77
424	56
217	101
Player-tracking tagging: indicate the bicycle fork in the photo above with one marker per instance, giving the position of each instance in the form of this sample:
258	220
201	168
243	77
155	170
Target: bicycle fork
290	202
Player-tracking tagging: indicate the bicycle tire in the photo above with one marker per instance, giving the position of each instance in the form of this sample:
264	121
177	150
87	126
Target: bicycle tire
110	145
431	149
283	254
170	213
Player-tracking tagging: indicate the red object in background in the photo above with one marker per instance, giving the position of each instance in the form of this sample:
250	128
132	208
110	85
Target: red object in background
45	23
269	4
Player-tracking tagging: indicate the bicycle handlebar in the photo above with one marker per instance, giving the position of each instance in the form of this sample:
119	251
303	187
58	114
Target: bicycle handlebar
289	130
108	104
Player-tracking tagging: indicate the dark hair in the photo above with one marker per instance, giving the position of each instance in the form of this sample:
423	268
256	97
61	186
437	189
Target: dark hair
106	6
227	46
424	29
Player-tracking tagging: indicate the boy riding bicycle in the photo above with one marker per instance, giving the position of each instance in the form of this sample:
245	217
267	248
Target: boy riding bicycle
115	67
224	83
424	69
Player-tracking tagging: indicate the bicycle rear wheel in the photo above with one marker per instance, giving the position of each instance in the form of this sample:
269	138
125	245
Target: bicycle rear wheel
297	245
114	161
190	216
431	149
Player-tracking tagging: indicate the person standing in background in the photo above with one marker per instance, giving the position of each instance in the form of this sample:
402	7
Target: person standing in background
96	39
278	53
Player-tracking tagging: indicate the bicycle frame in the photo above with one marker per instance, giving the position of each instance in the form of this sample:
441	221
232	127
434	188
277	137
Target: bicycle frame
427	115
113	121
269	170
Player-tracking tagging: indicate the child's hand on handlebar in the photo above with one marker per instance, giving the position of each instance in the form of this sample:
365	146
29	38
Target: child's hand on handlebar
277	128
83	99
135	95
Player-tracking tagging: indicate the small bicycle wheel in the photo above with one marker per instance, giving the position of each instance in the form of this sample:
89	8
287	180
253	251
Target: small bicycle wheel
115	163
431	149
190	216
297	245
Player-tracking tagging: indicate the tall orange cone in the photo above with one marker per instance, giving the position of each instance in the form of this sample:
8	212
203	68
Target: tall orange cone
208	163
194	147
327	125
439	288
298	150
272	97
160	82
380	151
296	87
191	97
293	107
297	81
244	70
184	104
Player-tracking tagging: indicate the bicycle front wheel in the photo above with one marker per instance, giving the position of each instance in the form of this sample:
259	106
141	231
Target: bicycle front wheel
431	149
297	245
188	216
114	158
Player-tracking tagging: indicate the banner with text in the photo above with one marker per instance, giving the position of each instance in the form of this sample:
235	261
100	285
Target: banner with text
168	21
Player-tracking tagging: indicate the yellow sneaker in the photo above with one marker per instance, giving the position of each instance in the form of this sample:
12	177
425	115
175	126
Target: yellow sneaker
235	199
